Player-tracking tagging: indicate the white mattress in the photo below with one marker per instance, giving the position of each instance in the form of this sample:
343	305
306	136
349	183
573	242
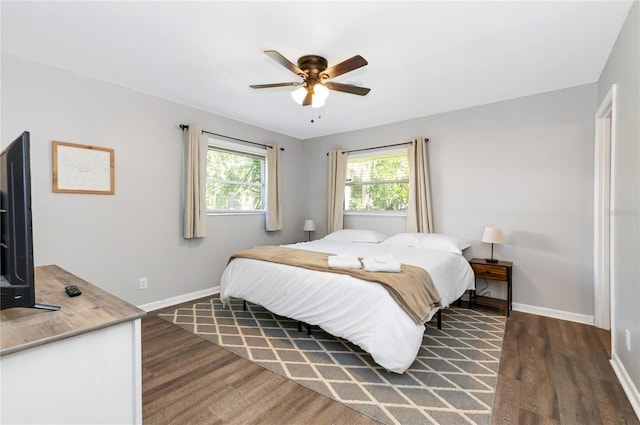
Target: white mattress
360	311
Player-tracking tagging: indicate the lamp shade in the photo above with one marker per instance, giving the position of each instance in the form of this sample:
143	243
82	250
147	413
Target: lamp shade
492	235
299	94
309	226
320	91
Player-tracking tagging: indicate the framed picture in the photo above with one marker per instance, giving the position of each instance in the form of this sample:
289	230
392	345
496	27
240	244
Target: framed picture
83	169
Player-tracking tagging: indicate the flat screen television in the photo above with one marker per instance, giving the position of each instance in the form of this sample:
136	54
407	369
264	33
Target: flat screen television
17	281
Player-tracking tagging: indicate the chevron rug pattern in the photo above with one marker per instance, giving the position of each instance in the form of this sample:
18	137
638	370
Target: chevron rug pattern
452	381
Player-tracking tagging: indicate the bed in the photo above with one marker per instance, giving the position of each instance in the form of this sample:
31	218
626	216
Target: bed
359	311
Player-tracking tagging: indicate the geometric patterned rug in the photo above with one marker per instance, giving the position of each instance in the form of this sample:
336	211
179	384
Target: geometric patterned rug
452	380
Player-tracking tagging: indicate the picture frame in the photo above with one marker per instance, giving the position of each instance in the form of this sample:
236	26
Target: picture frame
83	169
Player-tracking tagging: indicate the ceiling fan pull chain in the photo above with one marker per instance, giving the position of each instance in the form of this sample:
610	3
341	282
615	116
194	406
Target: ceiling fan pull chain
312	116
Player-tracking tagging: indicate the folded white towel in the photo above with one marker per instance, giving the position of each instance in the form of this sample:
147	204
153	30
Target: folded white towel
335	262
347	257
371	265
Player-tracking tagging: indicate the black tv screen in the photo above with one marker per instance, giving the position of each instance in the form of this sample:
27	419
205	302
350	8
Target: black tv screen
17	286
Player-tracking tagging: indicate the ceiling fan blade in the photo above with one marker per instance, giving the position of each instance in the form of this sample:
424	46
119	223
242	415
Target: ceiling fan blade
347	88
308	99
268	86
343	67
276	56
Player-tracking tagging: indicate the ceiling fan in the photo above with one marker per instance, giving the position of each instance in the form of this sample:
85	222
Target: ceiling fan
315	75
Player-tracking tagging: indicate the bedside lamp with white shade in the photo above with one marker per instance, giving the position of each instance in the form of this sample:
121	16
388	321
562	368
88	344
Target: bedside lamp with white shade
309	226
492	235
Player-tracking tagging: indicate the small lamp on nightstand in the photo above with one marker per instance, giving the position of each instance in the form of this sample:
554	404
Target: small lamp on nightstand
492	235
309	226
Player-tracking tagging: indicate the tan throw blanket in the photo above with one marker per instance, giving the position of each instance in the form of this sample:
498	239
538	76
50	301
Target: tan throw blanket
412	288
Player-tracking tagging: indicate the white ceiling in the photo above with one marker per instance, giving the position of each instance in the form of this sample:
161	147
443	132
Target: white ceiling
424	57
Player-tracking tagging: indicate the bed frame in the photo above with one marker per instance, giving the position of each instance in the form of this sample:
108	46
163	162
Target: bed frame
308	327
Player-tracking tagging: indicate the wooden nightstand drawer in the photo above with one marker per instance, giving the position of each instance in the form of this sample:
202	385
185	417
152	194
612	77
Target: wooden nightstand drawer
499	271
489	271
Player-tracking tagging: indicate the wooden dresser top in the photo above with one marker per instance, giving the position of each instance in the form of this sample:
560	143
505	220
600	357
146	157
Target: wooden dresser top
23	328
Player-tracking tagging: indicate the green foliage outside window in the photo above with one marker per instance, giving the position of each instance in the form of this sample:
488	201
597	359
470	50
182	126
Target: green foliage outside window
234	180
377	183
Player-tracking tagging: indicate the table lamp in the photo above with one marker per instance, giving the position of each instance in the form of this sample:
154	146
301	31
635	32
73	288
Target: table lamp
309	226
492	235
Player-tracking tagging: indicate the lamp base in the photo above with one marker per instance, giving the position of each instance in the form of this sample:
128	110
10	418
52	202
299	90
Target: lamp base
491	260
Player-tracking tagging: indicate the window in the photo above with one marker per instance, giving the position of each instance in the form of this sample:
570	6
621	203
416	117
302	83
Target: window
377	183
235	178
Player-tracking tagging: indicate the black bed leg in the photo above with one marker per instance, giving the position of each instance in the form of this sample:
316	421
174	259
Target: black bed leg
439	313
244	305
306	325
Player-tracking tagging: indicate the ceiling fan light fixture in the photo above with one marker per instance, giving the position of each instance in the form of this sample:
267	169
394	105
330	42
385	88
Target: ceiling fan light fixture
299	94
319	95
320	91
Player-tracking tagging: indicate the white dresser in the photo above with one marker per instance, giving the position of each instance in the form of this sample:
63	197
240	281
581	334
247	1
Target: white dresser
78	365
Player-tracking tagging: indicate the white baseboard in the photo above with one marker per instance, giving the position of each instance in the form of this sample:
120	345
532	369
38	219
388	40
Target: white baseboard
156	305
556	314
627	384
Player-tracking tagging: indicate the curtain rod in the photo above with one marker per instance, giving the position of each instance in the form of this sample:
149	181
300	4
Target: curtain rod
378	147
186	127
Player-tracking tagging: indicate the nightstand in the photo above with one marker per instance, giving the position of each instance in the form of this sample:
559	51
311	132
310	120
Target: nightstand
501	272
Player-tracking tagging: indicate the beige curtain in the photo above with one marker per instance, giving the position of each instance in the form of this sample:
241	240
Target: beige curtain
195	204
274	196
337	176
419	215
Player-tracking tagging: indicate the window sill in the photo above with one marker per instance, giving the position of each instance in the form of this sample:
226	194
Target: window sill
236	213
377	213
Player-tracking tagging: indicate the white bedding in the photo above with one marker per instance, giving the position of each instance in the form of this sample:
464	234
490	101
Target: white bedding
360	311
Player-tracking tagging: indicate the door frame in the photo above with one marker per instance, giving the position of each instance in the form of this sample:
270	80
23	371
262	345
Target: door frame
604	183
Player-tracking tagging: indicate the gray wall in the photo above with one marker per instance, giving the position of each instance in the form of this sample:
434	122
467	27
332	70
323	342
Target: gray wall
525	165
111	241
623	69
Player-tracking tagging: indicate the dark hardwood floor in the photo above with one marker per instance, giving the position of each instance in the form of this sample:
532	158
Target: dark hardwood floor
557	372
189	380
551	372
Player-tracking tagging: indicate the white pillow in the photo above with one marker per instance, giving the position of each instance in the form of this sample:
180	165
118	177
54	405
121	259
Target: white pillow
356	235
439	242
428	241
401	239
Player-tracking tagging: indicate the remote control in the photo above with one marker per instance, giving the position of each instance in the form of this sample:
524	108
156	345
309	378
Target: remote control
72	291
